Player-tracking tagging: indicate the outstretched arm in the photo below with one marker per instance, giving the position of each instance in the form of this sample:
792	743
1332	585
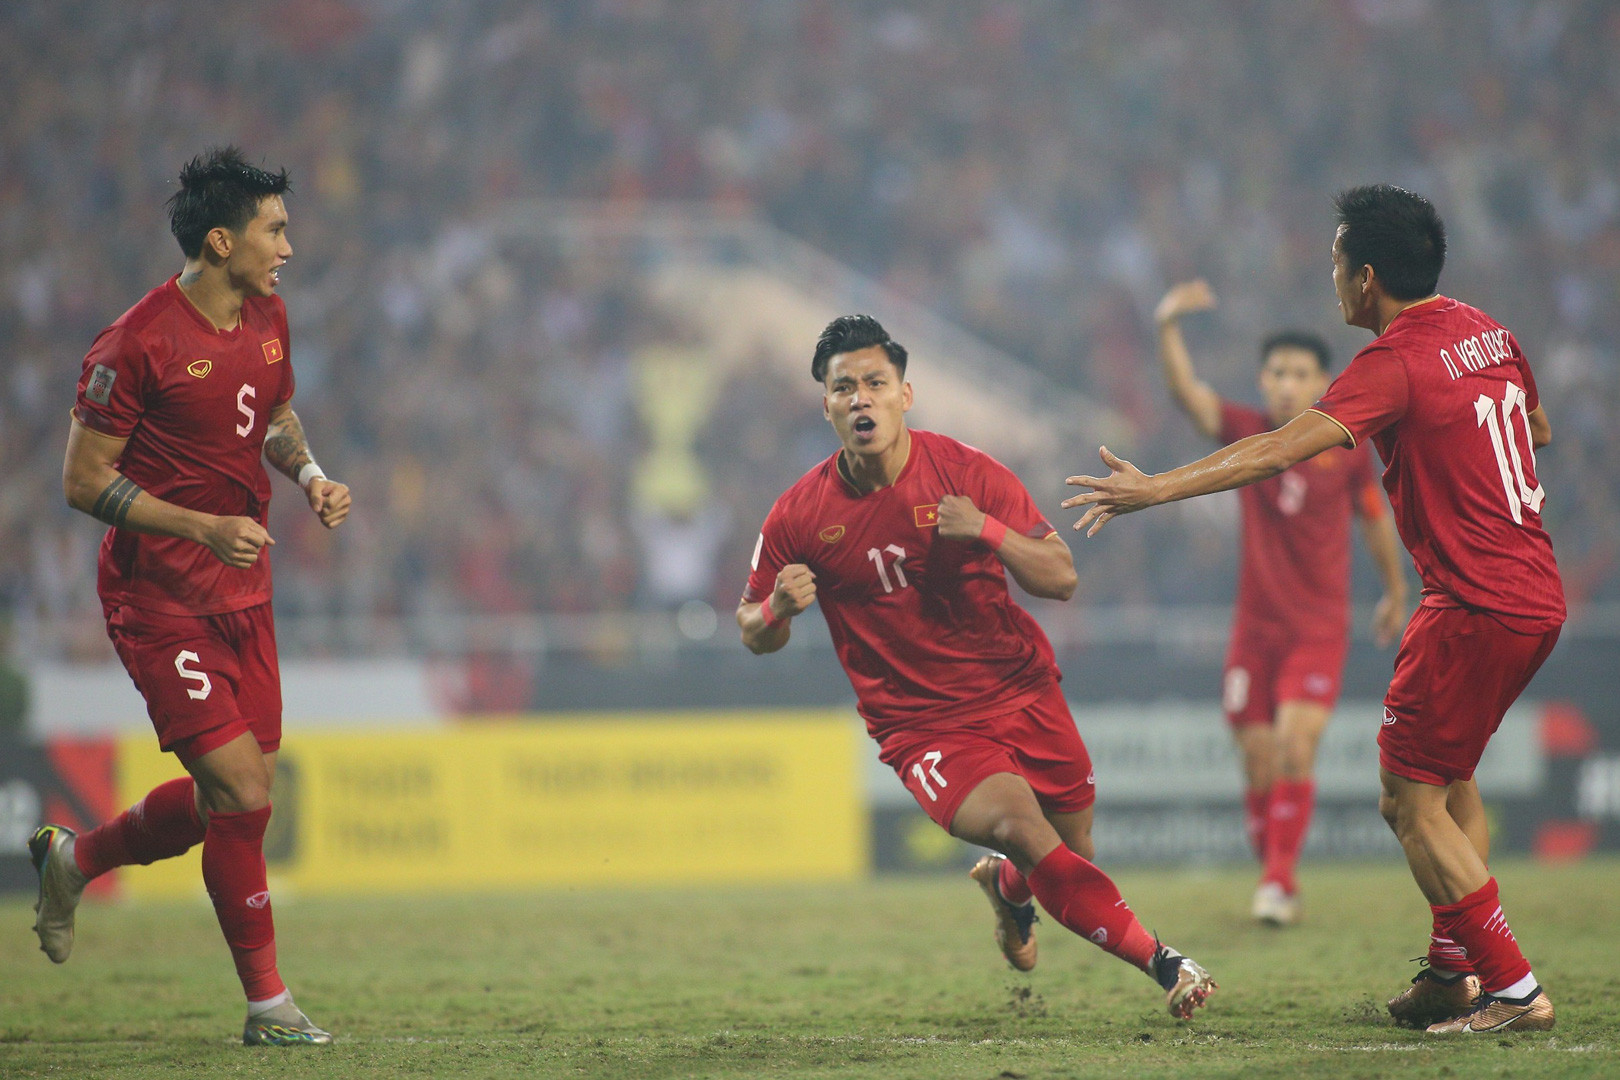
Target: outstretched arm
287	448
1196	398
1127	489
92	483
1043	568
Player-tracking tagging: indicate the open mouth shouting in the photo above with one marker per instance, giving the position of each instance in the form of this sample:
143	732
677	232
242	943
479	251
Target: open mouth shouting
864	427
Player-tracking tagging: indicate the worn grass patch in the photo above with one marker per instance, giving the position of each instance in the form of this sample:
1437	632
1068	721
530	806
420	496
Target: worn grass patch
887	979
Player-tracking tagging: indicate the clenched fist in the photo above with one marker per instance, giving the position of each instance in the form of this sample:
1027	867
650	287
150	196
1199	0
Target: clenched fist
959	519
236	541
795	590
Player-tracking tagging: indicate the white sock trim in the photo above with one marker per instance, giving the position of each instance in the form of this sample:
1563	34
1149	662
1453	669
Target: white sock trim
1518	989
257	1007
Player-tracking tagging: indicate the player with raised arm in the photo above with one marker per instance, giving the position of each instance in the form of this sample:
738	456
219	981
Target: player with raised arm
1449	400
1291	627
178	400
906	539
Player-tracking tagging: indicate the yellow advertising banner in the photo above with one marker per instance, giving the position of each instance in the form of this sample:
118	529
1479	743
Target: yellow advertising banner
591	799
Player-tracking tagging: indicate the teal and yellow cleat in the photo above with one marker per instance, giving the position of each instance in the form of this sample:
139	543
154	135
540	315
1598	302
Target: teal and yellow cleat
284	1025
60	887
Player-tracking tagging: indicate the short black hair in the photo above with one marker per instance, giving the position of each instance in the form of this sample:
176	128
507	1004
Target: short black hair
1398	233
849	333
1298	339
219	190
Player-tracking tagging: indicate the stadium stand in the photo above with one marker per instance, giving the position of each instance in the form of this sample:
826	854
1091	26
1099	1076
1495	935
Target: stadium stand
1030	174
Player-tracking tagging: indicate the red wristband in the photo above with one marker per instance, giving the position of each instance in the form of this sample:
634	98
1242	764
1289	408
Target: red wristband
767	613
992	532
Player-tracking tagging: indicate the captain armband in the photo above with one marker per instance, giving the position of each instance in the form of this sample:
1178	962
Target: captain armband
112	505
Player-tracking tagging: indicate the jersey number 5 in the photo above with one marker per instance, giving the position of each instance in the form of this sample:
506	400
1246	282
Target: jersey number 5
243	396
1504	440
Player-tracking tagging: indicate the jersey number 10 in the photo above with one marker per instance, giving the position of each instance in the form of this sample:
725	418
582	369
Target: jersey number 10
1506	445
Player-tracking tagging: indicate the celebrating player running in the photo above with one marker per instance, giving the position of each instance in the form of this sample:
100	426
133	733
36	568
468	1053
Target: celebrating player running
906	537
177	401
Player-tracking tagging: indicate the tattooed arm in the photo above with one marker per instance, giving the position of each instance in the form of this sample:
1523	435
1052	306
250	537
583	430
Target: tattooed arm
287	448
93	484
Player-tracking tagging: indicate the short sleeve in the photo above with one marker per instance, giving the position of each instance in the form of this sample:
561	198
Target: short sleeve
113	384
1240	421
1369	395
1004	497
772	551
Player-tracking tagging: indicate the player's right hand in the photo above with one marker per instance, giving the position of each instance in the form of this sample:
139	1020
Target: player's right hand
795	590
1184	299
236	541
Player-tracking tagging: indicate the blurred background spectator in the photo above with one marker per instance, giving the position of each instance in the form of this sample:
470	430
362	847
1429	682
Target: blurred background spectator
528	428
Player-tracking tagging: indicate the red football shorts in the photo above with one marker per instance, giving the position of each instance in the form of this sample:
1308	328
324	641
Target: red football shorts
207	679
1455	676
1039	742
1263	672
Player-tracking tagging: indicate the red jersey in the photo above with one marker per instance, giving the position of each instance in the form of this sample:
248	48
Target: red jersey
193	401
1446	396
924	627
1294	577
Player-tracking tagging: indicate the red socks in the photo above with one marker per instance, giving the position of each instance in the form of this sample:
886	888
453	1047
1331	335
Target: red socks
1084	899
1257	819
1289	819
1473	935
233	870
1014	889
160	826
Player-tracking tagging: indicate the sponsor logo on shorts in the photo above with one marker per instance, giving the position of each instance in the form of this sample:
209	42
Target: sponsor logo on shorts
832	533
1389	717
1091	778
259	901
200	368
100	386
1100	935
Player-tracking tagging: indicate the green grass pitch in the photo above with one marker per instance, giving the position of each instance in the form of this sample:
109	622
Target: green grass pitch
892	979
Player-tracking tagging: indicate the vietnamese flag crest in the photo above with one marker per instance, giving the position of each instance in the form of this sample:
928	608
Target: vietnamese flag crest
927	515
272	350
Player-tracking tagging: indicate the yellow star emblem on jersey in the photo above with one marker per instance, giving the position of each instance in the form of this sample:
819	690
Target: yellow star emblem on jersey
927	515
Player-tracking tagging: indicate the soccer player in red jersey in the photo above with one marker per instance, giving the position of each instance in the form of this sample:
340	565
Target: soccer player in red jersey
178	400
906	538
1291	629
1448	398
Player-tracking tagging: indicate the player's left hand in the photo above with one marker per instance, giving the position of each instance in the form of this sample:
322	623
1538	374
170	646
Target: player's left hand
329	499
959	519
1125	490
1388	618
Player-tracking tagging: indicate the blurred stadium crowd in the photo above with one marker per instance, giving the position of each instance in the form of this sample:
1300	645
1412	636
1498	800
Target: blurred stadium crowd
1036	172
